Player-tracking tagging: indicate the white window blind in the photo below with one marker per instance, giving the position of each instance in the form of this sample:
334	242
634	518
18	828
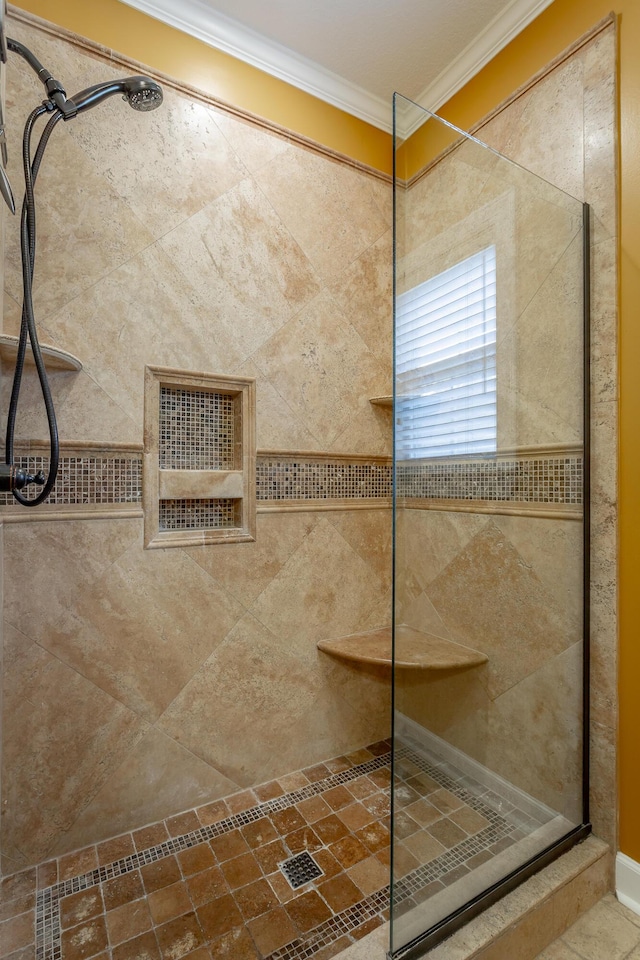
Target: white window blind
446	362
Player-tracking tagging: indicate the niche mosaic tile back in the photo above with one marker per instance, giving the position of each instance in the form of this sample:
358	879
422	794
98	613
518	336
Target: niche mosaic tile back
197	430
196	514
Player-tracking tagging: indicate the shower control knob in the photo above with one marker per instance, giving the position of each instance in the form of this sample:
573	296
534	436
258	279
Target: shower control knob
13	478
23	479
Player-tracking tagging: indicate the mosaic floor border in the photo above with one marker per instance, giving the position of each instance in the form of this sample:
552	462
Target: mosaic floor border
506	824
48	930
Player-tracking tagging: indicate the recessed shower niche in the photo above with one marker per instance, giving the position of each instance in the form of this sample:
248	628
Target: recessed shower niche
199	458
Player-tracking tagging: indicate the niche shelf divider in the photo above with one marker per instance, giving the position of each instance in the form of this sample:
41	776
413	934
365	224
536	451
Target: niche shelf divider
199	466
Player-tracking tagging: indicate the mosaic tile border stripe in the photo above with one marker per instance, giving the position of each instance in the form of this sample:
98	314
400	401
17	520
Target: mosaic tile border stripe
540	480
504	828
303	478
87	479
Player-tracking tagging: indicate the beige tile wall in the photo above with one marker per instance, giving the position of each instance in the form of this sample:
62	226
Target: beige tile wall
510	587
573	113
513	713
140	683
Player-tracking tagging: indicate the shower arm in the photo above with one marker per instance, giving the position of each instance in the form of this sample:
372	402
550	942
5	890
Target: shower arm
56	100
56	94
141	92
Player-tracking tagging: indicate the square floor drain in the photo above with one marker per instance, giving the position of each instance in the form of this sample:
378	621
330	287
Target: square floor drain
300	869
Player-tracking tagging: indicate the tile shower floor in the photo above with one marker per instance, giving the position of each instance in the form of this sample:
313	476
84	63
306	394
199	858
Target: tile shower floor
293	869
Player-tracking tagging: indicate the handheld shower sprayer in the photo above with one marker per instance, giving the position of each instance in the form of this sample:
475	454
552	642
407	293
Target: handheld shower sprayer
141	93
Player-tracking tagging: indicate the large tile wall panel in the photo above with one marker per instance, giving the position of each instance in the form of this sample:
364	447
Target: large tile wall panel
190	239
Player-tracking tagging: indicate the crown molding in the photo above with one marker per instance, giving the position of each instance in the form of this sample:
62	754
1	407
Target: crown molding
213	28
498	33
216	30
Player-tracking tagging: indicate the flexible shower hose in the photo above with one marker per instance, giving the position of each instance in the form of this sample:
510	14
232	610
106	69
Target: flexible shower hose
28	324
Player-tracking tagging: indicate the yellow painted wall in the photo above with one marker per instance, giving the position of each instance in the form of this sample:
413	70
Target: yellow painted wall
133	34
116	25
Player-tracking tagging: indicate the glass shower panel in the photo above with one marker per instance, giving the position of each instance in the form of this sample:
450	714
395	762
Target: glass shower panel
489	493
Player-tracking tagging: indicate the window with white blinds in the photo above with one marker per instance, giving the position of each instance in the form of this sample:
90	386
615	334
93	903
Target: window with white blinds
446	362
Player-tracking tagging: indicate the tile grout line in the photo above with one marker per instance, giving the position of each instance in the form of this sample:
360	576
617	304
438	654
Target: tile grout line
341	923
47	915
48	930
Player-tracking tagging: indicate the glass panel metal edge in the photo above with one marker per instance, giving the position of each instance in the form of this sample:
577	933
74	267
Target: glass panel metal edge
392	798
579	831
431	938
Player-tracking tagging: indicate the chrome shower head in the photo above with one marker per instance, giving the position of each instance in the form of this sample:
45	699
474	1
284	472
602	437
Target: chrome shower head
141	93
